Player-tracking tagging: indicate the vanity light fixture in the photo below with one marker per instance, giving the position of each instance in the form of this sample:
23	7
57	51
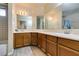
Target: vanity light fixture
21	12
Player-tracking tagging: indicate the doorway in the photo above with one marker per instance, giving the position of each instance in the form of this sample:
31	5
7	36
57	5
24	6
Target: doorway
3	28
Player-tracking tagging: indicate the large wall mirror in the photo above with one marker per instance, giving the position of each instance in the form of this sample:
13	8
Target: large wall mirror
70	15
24	22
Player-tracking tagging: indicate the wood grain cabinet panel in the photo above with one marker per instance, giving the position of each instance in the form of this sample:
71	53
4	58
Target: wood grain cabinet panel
19	37
27	39
51	45
43	42
39	40
14	43
34	38
64	51
69	43
51	48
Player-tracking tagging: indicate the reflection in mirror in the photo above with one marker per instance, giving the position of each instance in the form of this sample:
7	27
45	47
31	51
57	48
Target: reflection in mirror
40	22
49	23
70	15
24	22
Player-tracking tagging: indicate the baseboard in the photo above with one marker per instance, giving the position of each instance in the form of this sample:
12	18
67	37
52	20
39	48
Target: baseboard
11	53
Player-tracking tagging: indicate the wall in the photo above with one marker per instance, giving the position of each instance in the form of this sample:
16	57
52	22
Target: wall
54	18
10	28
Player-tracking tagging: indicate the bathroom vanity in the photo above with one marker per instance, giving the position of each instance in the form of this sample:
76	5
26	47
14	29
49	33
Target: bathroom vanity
53	44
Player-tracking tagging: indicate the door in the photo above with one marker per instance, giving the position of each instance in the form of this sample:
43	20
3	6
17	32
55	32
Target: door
19	40
43	42
3	28
27	39
34	38
39	40
51	48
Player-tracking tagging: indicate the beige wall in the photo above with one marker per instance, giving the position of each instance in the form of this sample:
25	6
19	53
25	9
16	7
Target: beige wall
10	28
56	18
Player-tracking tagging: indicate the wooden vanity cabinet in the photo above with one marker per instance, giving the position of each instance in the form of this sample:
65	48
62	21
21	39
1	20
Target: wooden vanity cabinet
18	40
51	45
34	39
22	39
27	39
43	42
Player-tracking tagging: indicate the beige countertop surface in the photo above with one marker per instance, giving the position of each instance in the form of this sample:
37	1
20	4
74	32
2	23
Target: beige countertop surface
57	34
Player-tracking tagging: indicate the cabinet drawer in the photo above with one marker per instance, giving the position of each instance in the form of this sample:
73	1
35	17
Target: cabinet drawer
64	51
69	43
51	48
18	39
52	38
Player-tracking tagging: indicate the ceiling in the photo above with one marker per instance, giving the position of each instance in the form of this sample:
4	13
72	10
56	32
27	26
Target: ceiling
69	8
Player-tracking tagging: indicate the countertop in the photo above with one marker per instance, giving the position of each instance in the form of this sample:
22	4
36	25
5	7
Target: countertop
62	35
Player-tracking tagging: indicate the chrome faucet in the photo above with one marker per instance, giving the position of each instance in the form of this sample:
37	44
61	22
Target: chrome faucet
67	31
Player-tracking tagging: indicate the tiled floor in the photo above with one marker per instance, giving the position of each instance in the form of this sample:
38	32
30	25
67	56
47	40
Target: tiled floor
3	49
37	52
28	51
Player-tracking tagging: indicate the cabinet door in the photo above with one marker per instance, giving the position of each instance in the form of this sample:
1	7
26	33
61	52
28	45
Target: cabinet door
43	42
19	39
64	51
14	40
51	48
27	39
34	38
39	40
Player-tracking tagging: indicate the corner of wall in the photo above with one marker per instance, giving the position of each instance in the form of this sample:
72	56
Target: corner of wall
11	53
